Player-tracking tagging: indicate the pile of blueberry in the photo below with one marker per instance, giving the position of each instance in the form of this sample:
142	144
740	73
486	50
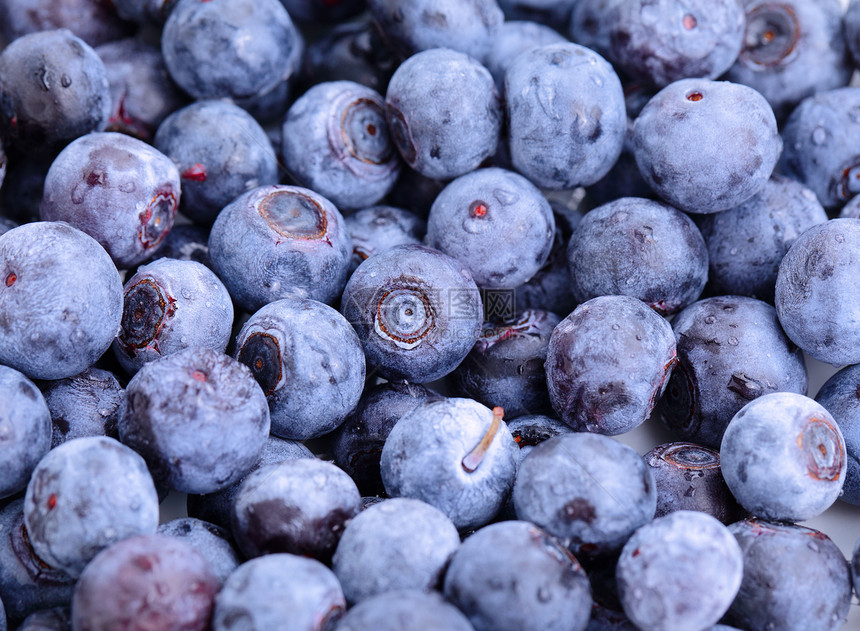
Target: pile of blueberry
373	285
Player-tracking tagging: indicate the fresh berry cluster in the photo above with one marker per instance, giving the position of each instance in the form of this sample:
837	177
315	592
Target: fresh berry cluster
378	291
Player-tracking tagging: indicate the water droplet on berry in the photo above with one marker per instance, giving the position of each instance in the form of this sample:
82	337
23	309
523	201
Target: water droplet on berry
819	136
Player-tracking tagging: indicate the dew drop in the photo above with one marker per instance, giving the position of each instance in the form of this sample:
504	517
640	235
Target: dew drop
819	136
65	81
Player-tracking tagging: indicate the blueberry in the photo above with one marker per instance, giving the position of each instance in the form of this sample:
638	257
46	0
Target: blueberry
380	228
746	243
840	395
277	590
279	241
25	428
298	506
93	21
661	42
706	146
358	443
217	507
85	495
820	139
641	248
443	113
337	143
55	89
230	48
607	364
417	312
56	619
681	571
404	609
467	26
514	38
87	404
783	457
398	543
731	350
817	295
211	542
80	304
791	50
221	152
566	118
197	417
506	365
542	587
149	581
795	579
688	477
308	361
117	189
455	455
2	617
142	93
170	305
585	487
354	51
27	584
497	223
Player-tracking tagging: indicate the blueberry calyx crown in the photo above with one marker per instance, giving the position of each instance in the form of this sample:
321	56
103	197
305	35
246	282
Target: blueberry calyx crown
526	324
400	134
771	35
157	219
294	215
824	453
404	314
689	456
145	309
262	354
361	132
